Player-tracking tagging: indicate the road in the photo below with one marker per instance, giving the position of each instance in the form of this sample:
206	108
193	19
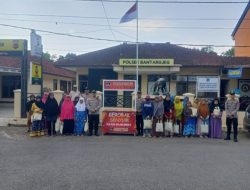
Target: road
121	163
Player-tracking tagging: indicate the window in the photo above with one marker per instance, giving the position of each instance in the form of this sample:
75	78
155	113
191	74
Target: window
83	82
10	83
54	84
69	86
63	85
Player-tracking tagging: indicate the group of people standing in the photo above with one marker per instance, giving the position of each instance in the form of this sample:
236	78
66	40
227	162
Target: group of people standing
171	116
73	114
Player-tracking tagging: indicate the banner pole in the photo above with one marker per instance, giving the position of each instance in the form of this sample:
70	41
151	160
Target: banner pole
137	54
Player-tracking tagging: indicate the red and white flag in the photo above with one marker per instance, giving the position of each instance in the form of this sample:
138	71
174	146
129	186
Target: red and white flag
130	14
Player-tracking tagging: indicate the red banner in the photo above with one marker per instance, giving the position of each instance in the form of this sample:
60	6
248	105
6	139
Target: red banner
118	122
125	85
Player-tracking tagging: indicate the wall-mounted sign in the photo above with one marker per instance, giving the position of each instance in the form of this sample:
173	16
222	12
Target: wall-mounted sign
11	47
36	74
234	73
146	62
208	84
116	85
244	86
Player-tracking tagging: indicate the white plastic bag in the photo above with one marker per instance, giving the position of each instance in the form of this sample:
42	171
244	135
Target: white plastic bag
216	111
169	126
176	128
159	127
58	125
147	124
61	127
204	128
194	112
86	126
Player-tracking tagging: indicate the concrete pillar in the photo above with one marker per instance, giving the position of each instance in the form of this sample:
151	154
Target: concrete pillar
133	94
17	103
58	94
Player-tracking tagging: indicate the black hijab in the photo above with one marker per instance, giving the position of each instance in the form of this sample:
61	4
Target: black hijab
213	105
39	104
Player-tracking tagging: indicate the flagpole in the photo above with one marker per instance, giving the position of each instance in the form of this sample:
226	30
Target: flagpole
137	49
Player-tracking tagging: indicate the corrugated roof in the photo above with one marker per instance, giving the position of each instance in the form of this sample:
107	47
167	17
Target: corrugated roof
48	66
183	56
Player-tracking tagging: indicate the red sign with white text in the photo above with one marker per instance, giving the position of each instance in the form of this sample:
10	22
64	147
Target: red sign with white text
119	122
124	85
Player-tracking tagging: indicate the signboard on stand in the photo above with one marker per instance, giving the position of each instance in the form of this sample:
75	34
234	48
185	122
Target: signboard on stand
118	120
121	122
36	44
115	85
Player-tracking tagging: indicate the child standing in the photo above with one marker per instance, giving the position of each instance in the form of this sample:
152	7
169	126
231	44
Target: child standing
80	117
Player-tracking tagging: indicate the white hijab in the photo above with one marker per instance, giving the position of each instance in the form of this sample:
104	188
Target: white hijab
80	106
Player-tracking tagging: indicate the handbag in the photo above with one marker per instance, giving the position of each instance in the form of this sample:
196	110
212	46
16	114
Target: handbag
176	128
36	117
147	124
159	127
204	127
168	126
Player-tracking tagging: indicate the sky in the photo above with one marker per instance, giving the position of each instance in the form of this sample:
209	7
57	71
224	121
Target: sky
193	24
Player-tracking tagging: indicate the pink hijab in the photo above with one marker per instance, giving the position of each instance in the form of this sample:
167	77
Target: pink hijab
45	97
68	109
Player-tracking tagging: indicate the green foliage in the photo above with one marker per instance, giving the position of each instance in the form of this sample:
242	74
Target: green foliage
229	52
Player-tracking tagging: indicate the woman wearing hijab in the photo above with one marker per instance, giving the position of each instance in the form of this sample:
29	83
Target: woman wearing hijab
215	119
28	111
168	112
203	117
178	107
51	113
189	121
45	97
67	116
195	103
80	117
76	100
157	115
36	118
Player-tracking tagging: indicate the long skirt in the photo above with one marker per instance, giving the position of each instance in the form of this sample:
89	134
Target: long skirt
36	128
189	127
68	126
215	127
80	122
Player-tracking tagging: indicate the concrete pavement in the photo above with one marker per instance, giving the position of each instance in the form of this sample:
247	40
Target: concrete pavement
121	162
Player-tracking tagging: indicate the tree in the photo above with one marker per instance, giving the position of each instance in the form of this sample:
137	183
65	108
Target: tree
229	52
67	56
208	49
48	57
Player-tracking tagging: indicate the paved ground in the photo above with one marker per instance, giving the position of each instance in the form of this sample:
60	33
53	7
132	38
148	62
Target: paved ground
7	110
121	163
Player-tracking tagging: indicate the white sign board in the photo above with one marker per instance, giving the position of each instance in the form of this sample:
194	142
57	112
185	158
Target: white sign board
36	44
208	84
